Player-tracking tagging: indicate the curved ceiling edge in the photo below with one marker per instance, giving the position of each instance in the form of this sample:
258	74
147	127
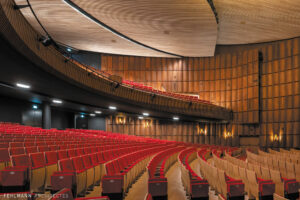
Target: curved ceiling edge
105	26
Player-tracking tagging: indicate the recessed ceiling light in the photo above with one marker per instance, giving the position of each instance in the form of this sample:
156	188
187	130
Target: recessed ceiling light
141	117
92	115
112	107
175	118
146	114
22	85
82	116
35	107
69	49
98	112
57	101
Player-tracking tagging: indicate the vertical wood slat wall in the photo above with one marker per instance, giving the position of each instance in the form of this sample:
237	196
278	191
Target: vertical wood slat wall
231	80
172	131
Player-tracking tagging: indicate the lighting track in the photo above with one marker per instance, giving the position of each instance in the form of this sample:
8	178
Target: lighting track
110	29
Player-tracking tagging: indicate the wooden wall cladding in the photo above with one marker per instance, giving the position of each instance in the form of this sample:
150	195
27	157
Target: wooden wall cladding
280	94
235	81
228	80
173	131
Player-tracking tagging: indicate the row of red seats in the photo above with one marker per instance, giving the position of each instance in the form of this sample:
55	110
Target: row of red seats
123	171
157	182
195	186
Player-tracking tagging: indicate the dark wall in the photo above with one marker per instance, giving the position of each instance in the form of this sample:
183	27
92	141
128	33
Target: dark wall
88	58
96	123
13	110
62	119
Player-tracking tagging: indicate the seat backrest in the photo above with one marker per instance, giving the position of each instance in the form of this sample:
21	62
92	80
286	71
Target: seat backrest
53	147
51	157
37	160
94	158
16	144
43	148
21	160
66	165
72	153
78	163
290	168
62	154
17	151
275	176
87	161
80	152
251	176
31	150
265	173
4	155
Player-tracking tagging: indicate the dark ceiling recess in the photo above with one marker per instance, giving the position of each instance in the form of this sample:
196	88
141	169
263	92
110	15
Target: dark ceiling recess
211	3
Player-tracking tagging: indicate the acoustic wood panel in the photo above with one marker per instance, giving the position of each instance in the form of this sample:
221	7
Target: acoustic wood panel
244	21
186	28
228	80
234	80
71	28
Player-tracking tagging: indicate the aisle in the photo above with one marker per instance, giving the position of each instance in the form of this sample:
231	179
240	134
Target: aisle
175	187
139	189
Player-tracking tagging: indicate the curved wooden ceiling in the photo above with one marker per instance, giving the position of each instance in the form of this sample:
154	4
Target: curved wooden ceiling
255	21
174	26
183	27
69	27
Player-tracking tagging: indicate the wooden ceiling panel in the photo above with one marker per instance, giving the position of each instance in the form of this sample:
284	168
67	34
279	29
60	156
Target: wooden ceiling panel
255	21
183	27
69	27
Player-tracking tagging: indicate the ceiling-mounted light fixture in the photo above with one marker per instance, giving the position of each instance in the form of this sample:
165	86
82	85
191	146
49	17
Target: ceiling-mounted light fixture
175	118
57	101
98	112
23	85
146	114
112	107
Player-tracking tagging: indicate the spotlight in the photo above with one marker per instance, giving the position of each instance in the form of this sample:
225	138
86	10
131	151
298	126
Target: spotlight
35	107
112	107
46	41
146	114
81	116
22	85
69	49
175	118
98	112
57	101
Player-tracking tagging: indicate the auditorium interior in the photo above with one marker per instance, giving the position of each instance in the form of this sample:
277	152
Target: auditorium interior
149	99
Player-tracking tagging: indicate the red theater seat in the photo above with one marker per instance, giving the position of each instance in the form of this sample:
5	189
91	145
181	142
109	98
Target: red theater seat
17	151
62	154
4	158
31	150
51	166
